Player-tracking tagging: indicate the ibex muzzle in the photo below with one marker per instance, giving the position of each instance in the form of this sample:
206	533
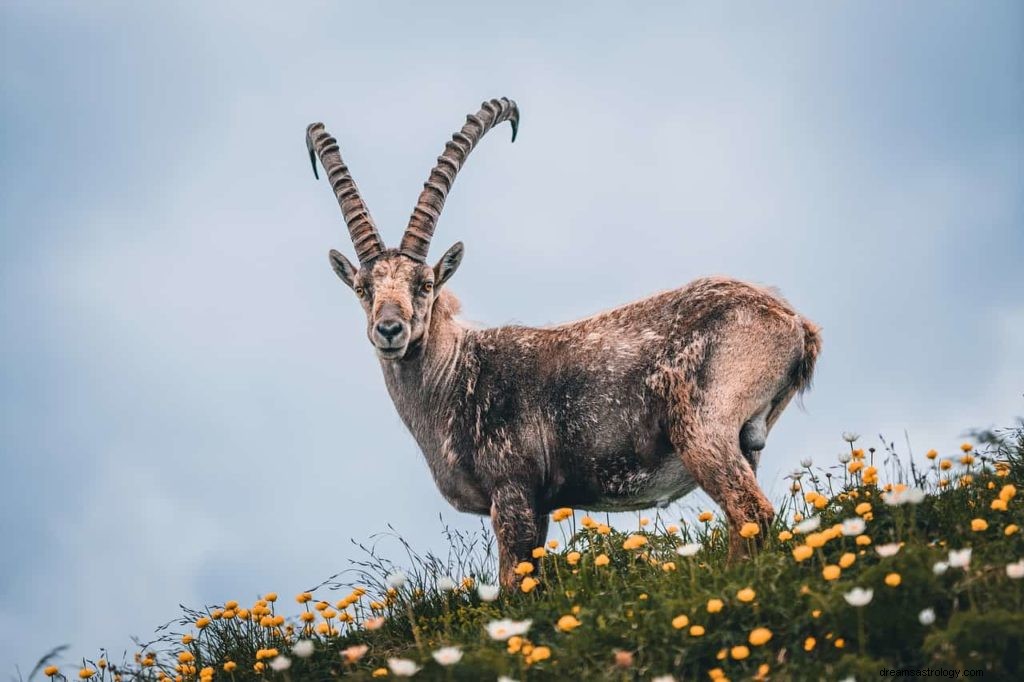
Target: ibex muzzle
627	409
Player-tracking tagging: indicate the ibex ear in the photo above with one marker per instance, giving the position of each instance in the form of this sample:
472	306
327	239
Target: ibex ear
448	264
342	268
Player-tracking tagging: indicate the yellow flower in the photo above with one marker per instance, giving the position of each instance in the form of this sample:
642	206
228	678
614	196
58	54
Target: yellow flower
1007	492
978	525
893	580
539	653
802	552
809	644
831	572
746	595
270	596
705	516
301	598
538	553
186	639
185	657
671	528
568	623
233	605
863	540
946	465
759	636
998	505
862	508
602	560
816	540
588	522
1010	529
524	568
552	544
696	631
86	673
203	622
528	584
644	521
51	670
380	672
561	514
966	447
847	560
931	454
603	529
680	621
816	613
855	466
839	643
749	530
668	566
871	476
739	652
715	605
230	666
857	454
785	535
634	542
573	558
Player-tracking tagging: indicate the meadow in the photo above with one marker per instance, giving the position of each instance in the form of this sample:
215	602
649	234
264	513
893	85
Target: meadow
878	560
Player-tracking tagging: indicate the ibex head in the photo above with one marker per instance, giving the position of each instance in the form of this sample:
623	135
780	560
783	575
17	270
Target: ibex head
396	287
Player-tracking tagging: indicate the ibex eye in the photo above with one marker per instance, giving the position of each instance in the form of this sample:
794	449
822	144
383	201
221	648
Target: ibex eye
428	287
360	292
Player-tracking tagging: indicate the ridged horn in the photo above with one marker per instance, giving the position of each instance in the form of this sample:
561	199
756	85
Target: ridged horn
361	228
416	240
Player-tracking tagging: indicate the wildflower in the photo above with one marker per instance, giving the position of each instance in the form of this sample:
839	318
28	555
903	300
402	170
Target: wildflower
927	616
186	657
815	540
380	672
186	639
302	598
663	678
371	623
831	572
863	540
739	652
688	549
668	566
303	648
680	621
280	664
203	622
51	670
871	476
588	522
978	525
539	653
785	535
839	643
1010	529
940	567
86	673
802	552
523	568
807	525
847	559
998	505
446	583
749	530
759	636
487	592
634	542
946	464
568	623
903	496
573	558
714	605
403	667
539	553
602	560
855	466
843	457
396	580
1015	570
528	584
893	580
561	514
354	653
852	526
696	631
501	630
603	529
448	655
960	558
705	516
230	666
859	596
888	550
672	528
552	544
931	454
1007	492
850	436
746	595
809	644
966	447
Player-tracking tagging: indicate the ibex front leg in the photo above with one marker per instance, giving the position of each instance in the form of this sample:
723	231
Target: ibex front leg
515	520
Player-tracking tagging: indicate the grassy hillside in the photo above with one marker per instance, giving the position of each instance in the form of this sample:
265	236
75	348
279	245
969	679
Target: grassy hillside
876	562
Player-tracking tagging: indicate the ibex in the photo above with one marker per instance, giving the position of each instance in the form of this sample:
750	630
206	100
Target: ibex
627	409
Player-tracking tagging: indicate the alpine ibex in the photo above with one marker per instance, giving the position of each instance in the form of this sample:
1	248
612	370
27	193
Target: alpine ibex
624	410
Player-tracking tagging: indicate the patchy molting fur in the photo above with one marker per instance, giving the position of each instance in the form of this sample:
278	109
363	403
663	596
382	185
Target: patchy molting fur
628	409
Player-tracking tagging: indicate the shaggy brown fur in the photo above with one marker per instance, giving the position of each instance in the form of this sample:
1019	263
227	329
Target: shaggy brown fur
627	409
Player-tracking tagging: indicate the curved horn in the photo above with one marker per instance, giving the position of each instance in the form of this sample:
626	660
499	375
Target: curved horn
416	240
364	233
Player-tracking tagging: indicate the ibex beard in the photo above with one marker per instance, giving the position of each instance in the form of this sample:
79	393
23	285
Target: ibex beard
628	409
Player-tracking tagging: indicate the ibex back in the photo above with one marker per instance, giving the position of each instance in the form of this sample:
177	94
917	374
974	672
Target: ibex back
627	409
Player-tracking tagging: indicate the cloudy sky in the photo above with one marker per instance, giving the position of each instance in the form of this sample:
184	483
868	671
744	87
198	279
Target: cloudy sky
189	410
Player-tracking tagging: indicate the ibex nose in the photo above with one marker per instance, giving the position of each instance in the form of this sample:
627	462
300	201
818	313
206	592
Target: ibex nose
389	329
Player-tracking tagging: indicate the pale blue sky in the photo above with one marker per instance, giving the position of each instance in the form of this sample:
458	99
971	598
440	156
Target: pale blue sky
189	410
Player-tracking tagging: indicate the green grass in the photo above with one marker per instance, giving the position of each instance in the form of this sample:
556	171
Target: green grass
626	609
